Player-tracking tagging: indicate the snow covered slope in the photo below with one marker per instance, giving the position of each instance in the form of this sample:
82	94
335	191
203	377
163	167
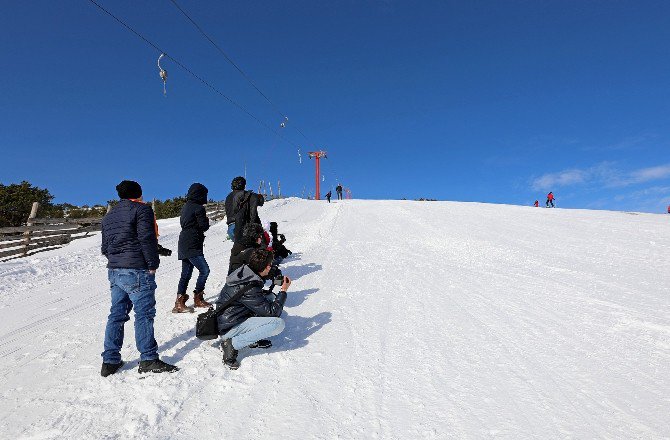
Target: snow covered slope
406	320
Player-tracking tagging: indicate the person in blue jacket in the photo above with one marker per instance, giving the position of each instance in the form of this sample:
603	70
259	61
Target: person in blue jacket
130	243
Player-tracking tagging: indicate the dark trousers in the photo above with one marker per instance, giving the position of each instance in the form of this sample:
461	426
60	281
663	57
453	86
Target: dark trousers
339	195
550	201
187	266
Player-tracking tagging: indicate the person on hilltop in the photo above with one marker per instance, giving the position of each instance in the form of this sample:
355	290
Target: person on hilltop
329	194
130	244
194	224
338	190
536	204
241	208
550	199
253	316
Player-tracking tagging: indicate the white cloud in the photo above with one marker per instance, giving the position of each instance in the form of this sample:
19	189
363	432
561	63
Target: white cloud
604	174
653	173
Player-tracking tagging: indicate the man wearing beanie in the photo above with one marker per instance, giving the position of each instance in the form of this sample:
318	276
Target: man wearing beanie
130	244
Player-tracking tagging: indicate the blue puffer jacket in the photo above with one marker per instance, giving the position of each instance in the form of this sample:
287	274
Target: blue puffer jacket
129	237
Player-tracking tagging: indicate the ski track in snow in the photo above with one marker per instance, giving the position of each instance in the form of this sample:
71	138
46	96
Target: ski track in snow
405	320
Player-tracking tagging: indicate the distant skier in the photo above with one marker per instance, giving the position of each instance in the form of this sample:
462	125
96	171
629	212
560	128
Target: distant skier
536	204
338	190
668	209
550	199
329	194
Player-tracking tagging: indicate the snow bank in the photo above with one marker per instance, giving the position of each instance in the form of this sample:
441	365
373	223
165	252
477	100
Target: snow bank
406	320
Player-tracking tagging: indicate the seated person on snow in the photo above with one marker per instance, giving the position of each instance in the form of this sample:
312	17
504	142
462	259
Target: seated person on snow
254	316
278	241
249	240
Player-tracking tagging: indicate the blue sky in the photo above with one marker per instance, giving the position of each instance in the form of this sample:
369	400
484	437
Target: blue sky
455	100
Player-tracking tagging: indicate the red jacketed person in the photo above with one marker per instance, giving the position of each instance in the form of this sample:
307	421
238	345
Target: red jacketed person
550	199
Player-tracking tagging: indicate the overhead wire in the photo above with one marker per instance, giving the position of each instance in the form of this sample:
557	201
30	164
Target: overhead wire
239	69
193	74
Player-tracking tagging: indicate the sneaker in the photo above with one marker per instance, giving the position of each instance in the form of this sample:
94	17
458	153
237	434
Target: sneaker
263	343
156	366
108	369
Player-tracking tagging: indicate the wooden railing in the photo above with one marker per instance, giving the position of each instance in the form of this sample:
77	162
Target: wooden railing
216	211
42	234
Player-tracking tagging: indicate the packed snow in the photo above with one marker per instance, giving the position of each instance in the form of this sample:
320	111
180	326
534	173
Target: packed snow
405	320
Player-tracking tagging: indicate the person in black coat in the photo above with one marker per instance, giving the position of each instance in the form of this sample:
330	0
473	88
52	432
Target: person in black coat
233	202
129	241
251	239
241	208
278	241
329	194
338	190
254	315
194	223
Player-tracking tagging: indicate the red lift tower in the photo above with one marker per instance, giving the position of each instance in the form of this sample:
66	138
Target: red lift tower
317	155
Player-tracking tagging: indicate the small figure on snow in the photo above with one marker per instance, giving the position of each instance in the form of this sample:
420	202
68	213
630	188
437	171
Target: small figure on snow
338	190
329	194
536	204
550	199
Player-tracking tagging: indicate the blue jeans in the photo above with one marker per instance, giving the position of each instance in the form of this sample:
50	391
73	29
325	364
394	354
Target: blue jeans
131	288
231	231
252	330
187	266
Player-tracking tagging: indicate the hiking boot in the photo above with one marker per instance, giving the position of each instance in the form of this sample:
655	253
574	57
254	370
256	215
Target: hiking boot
180	304
108	369
156	366
263	343
229	354
198	300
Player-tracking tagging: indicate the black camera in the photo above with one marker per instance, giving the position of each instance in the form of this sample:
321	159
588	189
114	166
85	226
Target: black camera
164	252
278	280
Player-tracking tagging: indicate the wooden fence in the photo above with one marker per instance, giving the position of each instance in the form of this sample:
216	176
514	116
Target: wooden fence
43	234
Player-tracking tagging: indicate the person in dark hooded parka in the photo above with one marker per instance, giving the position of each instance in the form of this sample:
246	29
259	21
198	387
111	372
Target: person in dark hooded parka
194	223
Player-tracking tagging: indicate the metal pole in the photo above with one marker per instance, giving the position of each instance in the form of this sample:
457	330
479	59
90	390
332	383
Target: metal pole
33	214
317	194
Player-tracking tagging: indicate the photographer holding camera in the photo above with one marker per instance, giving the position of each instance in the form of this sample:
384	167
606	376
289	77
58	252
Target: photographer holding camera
254	314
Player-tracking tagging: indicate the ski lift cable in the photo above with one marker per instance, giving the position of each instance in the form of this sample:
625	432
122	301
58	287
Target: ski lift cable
193	74
239	69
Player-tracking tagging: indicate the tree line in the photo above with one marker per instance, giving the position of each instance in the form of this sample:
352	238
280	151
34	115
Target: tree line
17	199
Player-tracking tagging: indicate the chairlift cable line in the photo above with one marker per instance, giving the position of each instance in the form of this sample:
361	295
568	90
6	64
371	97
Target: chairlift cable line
193	74
239	69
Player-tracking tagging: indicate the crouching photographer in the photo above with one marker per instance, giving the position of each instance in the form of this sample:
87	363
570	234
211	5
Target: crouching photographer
251	314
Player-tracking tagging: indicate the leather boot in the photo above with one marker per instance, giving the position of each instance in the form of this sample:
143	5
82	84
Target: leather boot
180	305
198	300
229	354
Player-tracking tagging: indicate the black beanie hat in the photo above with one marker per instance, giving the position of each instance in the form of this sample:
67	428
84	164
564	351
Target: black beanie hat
129	189
238	183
